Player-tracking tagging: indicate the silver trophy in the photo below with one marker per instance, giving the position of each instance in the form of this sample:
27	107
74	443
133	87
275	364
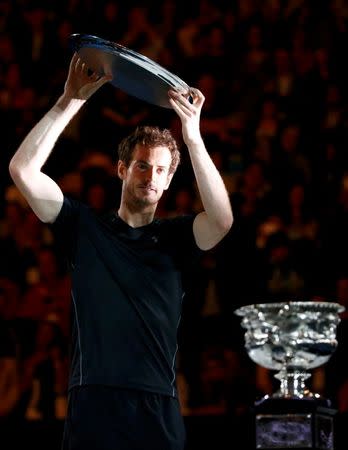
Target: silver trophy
292	338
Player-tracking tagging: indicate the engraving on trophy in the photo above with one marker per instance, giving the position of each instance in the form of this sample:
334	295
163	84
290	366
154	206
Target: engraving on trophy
276	431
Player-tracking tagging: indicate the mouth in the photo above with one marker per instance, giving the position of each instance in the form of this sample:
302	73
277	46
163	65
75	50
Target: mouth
148	189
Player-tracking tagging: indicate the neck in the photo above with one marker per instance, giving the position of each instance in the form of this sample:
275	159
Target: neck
136	218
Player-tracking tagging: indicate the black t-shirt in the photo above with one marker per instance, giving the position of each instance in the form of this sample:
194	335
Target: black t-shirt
126	296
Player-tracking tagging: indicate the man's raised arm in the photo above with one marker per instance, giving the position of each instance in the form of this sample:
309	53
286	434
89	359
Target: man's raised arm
211	225
41	192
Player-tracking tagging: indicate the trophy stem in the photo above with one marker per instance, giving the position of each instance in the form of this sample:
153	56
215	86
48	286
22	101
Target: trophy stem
292	384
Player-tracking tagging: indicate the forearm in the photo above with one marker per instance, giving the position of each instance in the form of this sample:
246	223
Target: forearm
213	193
38	144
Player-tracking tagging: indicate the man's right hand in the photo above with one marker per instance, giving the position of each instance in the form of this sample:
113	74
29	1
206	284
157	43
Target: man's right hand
81	82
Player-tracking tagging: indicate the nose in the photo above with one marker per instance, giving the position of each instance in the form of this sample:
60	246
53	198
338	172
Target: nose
151	174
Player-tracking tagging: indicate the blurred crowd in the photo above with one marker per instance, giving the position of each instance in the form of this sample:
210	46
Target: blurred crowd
275	122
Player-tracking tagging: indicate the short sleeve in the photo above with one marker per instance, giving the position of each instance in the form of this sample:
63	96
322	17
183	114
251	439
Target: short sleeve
65	227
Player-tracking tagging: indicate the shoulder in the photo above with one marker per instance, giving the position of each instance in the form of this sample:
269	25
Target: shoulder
73	217
178	232
71	209
184	221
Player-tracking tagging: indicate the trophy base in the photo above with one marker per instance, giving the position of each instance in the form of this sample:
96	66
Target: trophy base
284	423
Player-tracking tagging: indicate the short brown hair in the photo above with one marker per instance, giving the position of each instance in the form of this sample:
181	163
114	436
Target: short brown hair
150	137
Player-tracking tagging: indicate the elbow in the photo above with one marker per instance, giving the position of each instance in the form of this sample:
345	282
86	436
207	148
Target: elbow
226	222
209	232
19	173
17	176
226	229
14	170
223	226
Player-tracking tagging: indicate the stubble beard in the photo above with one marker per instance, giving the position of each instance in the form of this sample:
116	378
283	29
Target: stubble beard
139	204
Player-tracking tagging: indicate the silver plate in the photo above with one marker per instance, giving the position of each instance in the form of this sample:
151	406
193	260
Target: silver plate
132	72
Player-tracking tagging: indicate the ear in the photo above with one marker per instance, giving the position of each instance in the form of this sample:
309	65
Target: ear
169	179
121	170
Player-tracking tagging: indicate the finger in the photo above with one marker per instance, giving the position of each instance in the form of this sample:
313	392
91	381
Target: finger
180	109
93	76
180	97
197	96
193	96
73	61
188	94
179	103
103	80
84	68
184	103
175	107
195	91
78	65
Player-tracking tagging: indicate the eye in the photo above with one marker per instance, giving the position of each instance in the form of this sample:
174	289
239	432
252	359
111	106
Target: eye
142	166
160	170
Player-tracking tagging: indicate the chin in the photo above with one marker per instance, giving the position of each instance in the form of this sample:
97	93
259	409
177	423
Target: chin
145	202
150	198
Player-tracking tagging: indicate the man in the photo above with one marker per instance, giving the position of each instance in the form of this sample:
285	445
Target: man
126	272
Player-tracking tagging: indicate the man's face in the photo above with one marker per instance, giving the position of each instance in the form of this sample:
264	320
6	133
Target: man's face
146	177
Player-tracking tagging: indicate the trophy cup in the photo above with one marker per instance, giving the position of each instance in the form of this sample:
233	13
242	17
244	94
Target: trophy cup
292	338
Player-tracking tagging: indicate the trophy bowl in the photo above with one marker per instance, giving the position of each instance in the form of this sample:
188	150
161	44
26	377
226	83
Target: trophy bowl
292	338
